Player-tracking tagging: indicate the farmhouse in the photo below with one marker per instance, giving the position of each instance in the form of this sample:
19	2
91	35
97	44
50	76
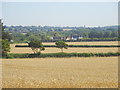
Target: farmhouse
58	38
76	37
71	37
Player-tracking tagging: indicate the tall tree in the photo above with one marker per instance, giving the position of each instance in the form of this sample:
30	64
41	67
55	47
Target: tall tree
36	46
5	47
62	45
5	41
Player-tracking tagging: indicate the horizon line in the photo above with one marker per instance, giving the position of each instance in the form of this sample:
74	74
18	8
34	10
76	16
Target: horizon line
63	26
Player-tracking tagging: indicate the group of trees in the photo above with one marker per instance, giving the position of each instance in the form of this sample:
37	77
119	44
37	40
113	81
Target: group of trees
23	34
103	34
24	38
37	46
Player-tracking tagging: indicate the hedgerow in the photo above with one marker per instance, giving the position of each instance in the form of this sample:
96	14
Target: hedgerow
44	55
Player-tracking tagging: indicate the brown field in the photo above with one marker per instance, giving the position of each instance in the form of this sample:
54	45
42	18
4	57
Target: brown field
93	72
69	50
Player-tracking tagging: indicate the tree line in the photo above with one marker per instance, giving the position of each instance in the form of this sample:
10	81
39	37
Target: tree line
23	34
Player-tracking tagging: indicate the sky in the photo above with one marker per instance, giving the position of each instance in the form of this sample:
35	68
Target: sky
60	13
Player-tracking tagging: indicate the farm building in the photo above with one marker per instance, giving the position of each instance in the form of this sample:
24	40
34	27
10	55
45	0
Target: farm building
58	38
71	37
76	37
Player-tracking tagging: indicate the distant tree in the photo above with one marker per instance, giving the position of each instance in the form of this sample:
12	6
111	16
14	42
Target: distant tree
36	46
101	34
33	38
5	35
93	34
56	34
85	35
114	34
62	45
5	47
107	34
28	34
119	32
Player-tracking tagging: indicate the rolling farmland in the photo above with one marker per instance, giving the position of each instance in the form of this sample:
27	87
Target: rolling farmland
59	45
69	50
74	72
94	72
80	43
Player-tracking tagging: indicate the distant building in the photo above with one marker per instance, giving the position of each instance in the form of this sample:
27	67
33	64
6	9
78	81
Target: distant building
71	37
56	38
68	38
76	37
11	41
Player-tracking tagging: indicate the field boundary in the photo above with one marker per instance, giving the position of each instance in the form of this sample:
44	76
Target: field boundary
62	55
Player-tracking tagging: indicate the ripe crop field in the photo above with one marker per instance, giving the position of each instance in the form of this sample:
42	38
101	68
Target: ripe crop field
92	72
81	43
69	50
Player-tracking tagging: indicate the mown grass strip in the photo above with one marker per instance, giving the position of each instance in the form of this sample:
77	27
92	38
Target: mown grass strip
45	55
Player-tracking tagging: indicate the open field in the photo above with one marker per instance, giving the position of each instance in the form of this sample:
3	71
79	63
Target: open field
93	72
69	50
81	43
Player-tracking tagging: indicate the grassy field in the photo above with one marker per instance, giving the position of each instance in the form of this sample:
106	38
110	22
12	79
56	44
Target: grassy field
93	72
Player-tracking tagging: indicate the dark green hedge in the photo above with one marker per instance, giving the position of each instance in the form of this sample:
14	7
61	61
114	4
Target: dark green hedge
74	46
62	55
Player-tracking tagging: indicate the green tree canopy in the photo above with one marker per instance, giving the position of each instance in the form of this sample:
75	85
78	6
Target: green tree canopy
4	41
62	45
36	46
6	35
5	47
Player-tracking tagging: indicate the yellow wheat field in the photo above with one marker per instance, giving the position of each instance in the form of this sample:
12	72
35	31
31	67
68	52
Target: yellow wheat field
81	43
69	50
92	72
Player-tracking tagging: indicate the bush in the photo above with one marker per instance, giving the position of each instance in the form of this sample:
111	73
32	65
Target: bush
19	55
10	56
